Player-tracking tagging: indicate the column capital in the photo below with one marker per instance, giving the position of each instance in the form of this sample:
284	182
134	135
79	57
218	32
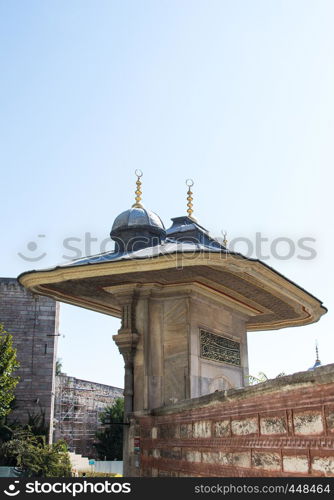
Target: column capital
127	342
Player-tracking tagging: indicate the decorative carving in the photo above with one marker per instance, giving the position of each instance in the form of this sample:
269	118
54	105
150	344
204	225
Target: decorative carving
127	343
221	383
127	298
217	348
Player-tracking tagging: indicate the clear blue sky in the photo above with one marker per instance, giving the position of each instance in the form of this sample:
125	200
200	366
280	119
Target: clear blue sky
238	95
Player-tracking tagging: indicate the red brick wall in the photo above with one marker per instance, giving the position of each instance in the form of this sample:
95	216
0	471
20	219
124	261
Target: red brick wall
281	428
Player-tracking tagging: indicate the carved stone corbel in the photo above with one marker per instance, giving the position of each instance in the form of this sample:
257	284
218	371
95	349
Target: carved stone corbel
126	341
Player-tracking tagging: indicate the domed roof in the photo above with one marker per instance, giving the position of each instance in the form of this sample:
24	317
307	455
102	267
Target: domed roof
137	227
137	217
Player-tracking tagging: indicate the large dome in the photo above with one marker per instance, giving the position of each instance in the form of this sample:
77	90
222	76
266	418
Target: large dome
137	217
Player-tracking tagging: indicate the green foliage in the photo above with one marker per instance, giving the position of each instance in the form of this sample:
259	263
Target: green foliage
59	366
34	457
8	364
36	424
110	440
262	377
25	446
6	431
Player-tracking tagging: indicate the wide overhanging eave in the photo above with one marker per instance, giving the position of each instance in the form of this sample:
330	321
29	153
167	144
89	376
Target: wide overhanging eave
40	281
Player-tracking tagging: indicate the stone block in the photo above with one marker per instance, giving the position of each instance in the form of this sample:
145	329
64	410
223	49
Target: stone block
295	463
266	460
193	456
210	457
174	453
226	458
245	426
324	465
330	419
221	428
202	429
308	423
242	459
154	433
186	431
167	431
273	425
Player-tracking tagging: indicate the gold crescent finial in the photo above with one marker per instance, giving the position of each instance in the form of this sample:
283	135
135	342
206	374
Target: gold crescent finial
190	183
317	351
225	239
138	191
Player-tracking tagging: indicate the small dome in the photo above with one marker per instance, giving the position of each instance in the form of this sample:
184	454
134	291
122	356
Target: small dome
137	217
137	228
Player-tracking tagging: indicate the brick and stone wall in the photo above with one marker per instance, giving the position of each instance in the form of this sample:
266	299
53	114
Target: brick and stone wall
33	322
283	427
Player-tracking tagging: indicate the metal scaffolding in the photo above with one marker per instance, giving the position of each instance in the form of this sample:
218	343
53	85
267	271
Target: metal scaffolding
77	411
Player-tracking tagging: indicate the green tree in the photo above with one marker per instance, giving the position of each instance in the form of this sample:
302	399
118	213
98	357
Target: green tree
34	457
8	364
36	424
109	443
59	366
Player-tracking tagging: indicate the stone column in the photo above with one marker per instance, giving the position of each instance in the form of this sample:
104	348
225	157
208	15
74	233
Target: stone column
155	354
126	340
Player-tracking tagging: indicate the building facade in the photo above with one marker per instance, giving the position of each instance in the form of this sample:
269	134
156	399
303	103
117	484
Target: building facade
32	320
78	404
